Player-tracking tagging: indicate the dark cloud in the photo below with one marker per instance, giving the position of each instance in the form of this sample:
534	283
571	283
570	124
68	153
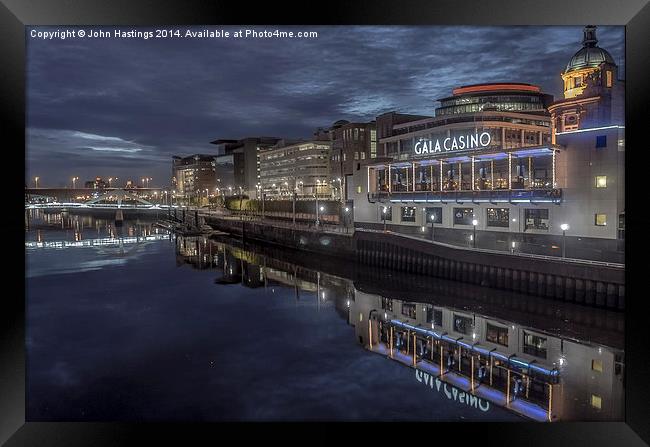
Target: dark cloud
122	107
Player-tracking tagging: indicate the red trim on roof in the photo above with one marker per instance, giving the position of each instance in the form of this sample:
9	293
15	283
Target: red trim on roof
495	87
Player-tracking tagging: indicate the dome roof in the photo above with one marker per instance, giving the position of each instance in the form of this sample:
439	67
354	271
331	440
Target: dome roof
590	55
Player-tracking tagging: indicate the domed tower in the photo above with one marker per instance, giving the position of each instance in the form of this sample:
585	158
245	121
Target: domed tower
593	94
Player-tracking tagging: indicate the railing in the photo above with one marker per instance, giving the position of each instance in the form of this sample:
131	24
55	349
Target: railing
492	196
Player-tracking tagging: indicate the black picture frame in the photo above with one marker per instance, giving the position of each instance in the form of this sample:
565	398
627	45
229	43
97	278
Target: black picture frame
16	14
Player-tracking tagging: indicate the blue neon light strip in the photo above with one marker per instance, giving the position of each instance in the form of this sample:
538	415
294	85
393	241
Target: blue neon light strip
493	353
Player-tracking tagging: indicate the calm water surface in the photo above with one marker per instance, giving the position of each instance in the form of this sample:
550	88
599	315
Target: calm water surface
132	323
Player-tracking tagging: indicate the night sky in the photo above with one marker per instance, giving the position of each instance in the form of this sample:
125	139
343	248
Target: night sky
122	107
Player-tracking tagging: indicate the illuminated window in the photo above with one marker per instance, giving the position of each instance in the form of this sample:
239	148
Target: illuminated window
601	220
609	78
596	401
359	190
409	310
498	217
408	213
534	345
387	304
496	334
597	365
464	325
601	181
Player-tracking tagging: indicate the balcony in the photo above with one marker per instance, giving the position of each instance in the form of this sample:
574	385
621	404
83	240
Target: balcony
488	196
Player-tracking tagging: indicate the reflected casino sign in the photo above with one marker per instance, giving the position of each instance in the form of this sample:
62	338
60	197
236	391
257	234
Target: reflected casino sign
451	391
456	143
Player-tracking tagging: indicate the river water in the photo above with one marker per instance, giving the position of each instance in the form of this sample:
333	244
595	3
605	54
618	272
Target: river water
134	324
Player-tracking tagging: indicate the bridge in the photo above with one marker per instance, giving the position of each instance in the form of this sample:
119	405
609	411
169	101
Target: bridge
113	199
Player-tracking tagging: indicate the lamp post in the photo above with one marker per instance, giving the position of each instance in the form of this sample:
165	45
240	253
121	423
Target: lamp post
564	228
317	221
241	196
36	181
74	182
433	219
474	223
383	215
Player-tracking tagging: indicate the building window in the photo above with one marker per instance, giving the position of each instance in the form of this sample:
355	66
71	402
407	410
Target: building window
601	181
434	316
621	226
385	213
497	334
409	310
601	220
437	317
536	219
408	213
463	216
498	217
596	401
436	212
359	189
597	365
601	141
534	345
429	310
609	78
387	304
462	324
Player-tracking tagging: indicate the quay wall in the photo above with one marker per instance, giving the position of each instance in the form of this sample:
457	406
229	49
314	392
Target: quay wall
593	285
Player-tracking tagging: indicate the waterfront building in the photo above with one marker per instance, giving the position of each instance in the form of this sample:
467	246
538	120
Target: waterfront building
590	123
300	167
193	175
238	164
494	159
352	143
561	378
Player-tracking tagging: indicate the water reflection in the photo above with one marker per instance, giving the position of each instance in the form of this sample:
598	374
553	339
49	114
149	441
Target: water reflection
51	228
542	360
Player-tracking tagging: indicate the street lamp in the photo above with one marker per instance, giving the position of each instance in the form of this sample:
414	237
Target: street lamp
564	228
383	215
474	223
433	219
74	182
36	181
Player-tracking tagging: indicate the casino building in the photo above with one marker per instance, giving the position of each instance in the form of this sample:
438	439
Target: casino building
503	162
